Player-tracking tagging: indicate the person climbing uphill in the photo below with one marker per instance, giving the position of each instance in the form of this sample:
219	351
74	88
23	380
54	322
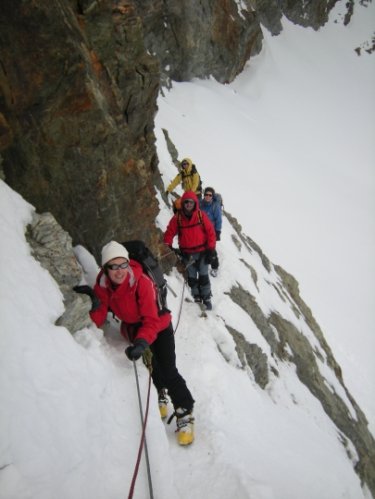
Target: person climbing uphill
196	239
123	288
188	177
212	206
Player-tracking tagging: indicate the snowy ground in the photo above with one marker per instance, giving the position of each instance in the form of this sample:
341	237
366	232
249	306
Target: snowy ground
70	424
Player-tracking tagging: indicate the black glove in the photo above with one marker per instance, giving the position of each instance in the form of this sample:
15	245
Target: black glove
177	252
166	193
86	290
218	232
137	350
208	256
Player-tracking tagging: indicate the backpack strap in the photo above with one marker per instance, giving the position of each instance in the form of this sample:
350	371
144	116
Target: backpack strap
160	305
200	222
192	172
185	175
201	218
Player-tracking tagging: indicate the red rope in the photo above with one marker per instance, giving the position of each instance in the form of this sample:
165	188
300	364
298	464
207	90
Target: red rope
141	444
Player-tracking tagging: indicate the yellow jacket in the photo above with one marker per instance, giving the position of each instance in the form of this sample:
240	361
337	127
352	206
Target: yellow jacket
189	179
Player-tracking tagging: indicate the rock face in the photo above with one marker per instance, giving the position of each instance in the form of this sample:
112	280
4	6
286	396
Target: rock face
78	98
53	249
199	39
308	14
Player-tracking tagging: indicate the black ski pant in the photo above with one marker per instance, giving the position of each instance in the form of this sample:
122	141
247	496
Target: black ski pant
164	370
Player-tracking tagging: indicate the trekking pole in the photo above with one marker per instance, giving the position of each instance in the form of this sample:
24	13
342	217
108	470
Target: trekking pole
143	438
172	290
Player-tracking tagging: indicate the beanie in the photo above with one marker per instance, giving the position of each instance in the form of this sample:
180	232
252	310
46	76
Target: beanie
113	250
209	189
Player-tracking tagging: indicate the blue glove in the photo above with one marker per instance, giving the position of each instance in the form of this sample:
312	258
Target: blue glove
86	290
136	351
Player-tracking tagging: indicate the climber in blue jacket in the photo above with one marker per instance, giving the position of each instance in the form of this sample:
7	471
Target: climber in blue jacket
212	205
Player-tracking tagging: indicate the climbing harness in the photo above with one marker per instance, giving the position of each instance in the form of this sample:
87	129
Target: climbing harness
143	437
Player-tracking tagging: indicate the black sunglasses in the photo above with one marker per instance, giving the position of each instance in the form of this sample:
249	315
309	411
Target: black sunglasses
208	194
117	266
184	163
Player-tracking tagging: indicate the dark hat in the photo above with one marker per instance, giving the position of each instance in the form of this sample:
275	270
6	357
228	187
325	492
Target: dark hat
209	189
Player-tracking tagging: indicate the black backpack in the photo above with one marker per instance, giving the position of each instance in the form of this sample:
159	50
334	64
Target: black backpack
140	252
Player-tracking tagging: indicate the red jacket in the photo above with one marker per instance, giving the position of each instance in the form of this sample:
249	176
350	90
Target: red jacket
133	302
195	234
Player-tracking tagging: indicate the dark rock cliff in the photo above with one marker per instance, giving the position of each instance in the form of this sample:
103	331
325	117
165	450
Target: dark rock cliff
200	38
78	99
78	88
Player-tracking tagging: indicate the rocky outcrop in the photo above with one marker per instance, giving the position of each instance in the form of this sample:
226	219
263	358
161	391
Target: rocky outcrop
352	425
251	356
52	247
290	345
217	37
307	14
199	39
78	98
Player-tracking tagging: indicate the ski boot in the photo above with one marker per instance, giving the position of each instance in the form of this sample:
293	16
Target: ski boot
185	426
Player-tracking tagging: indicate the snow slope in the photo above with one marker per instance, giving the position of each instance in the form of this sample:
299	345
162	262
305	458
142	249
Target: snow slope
71	424
290	145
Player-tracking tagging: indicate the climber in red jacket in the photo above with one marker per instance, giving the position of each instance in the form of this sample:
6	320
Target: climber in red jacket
197	241
123	288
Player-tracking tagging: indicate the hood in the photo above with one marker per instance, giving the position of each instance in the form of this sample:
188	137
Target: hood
190	164
190	195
